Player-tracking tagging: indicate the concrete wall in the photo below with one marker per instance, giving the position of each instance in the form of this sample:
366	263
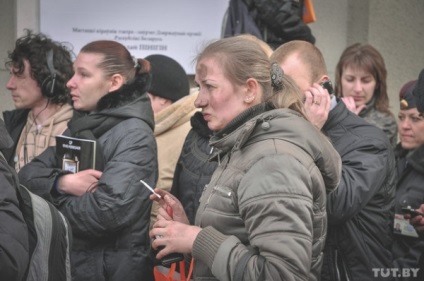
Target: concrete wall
394	27
8	36
397	31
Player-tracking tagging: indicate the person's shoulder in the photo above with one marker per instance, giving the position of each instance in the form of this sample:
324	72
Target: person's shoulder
130	124
131	130
351	125
380	117
15	114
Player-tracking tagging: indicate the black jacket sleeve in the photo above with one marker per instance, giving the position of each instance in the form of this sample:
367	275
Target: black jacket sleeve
284	19
40	174
14	254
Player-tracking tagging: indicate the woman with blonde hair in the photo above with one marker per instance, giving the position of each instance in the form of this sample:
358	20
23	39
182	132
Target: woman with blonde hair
265	202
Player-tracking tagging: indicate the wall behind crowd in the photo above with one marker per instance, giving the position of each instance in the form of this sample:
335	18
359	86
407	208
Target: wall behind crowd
394	27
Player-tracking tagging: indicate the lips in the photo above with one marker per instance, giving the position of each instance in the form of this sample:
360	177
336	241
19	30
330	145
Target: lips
74	97
406	136
406	139
206	116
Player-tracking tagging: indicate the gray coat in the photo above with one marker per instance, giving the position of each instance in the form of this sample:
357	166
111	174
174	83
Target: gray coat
269	191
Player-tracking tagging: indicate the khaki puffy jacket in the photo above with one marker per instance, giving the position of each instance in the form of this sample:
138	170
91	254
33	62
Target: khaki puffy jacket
268	191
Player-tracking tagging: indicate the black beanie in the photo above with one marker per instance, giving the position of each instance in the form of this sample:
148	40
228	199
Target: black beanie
169	80
418	92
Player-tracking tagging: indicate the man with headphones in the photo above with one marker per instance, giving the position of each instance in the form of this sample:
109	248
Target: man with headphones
39	70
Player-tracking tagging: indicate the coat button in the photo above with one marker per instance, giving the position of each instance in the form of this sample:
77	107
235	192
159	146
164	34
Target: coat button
265	126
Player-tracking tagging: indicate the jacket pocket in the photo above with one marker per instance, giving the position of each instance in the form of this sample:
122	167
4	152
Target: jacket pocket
222	200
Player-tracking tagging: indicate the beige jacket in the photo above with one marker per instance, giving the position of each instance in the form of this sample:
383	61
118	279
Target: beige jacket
171	128
35	138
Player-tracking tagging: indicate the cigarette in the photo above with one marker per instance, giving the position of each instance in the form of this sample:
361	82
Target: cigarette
151	189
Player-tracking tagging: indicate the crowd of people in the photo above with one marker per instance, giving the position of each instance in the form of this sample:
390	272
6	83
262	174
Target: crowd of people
263	171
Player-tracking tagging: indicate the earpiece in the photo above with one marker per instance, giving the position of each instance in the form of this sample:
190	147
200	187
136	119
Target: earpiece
48	85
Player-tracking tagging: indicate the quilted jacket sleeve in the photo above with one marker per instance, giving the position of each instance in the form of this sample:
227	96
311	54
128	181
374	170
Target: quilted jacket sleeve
277	210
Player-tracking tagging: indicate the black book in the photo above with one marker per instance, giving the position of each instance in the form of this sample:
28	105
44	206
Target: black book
76	154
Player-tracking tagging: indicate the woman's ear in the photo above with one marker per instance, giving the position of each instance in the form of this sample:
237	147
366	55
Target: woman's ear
252	91
117	80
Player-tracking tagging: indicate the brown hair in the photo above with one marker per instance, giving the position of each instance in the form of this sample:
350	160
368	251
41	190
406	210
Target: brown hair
366	57
117	59
264	46
241	59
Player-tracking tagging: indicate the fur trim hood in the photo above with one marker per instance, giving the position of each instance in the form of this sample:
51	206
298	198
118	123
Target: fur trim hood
129	101
127	93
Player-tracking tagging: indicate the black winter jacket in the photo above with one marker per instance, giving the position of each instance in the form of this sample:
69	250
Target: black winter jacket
360	210
280	21
193	170
15	121
110	225
14	253
410	192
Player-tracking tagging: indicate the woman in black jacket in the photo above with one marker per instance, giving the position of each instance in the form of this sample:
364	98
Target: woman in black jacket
107	207
407	247
193	169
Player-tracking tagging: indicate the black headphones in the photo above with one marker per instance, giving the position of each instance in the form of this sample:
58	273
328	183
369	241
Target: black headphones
48	85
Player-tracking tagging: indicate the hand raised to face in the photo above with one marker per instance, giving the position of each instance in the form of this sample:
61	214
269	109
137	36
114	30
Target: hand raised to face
317	105
351	105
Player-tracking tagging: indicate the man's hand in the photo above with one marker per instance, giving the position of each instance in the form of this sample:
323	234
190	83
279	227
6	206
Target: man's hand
317	105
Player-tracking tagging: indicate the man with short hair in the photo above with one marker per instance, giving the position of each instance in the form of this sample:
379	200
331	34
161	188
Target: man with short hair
360	213
39	70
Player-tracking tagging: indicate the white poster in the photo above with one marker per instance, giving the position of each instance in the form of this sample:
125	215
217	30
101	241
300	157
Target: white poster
176	28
